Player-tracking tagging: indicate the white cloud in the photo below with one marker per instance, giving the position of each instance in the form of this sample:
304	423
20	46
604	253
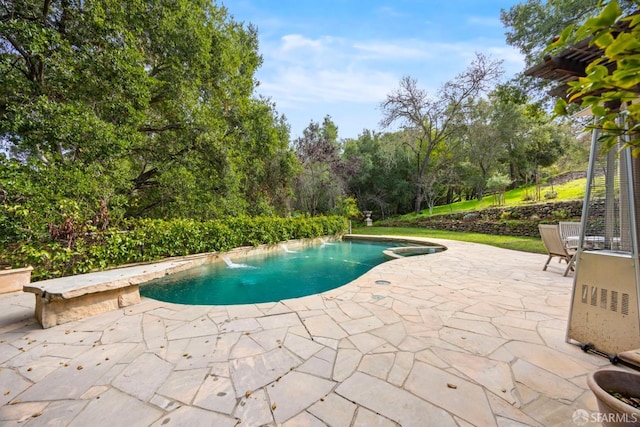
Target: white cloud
332	75
344	60
409	49
302	85
296	41
513	59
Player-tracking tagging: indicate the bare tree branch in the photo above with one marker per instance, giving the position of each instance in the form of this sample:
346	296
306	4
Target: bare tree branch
433	119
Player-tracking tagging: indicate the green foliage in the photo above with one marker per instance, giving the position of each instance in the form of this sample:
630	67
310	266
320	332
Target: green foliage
501	134
560	214
35	202
531	24
347	207
431	122
483	142
497	184
572	190
605	88
153	239
383	180
321	182
147	107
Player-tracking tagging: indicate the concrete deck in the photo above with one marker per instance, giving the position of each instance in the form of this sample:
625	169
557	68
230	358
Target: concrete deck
470	336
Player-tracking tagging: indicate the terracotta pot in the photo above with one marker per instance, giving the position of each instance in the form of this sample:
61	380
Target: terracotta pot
614	412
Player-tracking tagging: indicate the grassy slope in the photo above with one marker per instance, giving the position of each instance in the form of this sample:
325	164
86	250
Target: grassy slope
571	190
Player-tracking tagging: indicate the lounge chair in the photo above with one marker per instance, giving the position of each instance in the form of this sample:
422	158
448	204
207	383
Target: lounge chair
555	247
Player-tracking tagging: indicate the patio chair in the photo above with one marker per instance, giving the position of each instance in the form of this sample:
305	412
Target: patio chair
569	233
555	247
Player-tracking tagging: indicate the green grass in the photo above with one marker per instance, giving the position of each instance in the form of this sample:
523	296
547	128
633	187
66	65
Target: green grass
572	190
525	244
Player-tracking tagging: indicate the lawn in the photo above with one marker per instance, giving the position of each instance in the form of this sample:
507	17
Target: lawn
571	190
525	244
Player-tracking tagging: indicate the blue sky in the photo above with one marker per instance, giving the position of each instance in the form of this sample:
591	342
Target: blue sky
342	57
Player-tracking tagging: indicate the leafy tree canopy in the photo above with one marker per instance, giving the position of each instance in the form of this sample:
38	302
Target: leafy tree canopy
532	24
606	89
321	185
433	120
144	107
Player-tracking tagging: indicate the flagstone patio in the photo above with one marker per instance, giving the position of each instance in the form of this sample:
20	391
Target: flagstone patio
474	335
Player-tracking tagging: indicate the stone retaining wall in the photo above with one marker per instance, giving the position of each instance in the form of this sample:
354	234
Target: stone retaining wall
508	221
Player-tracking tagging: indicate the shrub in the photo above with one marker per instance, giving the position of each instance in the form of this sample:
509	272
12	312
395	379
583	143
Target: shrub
154	239
560	214
347	206
497	184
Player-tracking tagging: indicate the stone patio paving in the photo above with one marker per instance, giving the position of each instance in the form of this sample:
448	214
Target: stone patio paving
474	335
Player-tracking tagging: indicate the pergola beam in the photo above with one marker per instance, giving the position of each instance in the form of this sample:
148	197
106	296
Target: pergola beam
566	66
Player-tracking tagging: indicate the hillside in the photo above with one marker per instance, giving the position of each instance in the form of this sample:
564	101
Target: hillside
519	215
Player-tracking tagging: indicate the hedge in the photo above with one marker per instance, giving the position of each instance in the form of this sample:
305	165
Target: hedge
149	240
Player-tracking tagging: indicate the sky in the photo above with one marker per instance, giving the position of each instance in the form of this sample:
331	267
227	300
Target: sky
343	57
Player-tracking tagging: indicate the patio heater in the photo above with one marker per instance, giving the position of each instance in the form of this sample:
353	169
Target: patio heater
605	312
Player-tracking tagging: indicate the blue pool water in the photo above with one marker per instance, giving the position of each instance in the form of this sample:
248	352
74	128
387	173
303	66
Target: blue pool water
269	278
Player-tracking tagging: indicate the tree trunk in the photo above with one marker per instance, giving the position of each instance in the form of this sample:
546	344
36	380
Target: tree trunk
419	198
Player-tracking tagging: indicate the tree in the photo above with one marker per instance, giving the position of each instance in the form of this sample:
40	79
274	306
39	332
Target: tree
380	182
529	137
265	164
532	24
433	120
148	107
482	140
497	184
322	180
509	104
546	141
605	88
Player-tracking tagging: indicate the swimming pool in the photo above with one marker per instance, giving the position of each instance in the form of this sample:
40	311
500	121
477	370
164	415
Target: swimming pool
270	277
